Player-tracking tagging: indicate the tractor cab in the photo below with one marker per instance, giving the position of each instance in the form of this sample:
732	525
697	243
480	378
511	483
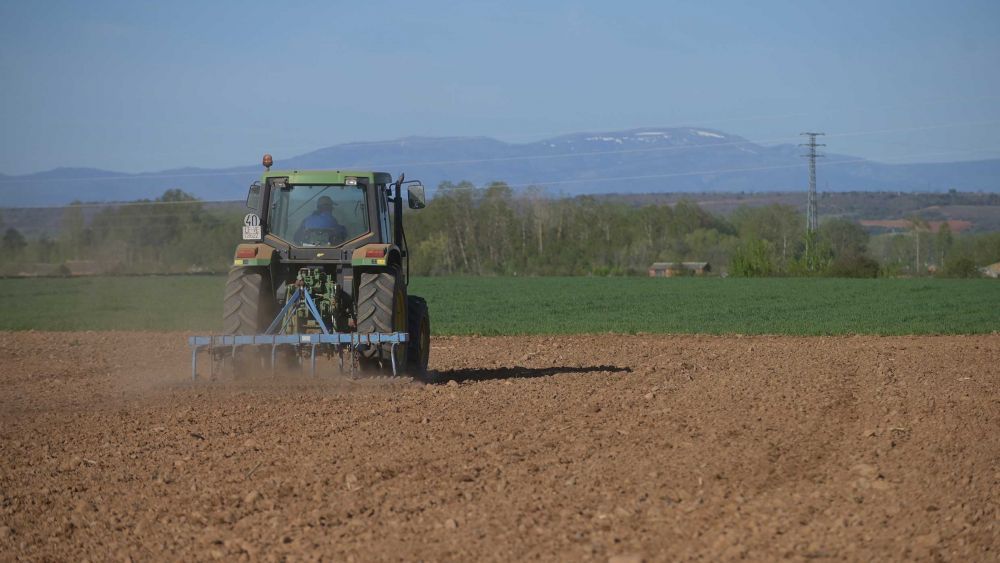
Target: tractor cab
301	212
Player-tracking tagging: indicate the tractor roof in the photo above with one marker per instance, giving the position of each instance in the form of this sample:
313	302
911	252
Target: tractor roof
327	176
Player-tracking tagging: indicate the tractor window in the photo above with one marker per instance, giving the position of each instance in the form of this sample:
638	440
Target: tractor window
318	215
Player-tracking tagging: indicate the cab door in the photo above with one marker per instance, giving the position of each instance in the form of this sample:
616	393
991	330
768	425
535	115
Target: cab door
385	230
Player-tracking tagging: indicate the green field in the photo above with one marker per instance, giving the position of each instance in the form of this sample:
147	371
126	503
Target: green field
549	305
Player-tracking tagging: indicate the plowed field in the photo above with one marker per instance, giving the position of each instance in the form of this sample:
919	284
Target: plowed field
579	447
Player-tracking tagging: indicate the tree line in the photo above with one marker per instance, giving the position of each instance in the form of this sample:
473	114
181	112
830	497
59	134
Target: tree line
170	234
466	230
495	231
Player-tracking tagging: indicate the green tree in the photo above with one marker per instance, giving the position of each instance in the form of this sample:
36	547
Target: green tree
894	251
815	259
45	249
960	267
944	241
71	232
919	229
709	245
752	259
13	242
781	225
843	237
853	266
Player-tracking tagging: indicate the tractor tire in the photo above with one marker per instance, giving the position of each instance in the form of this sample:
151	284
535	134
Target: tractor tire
249	307
381	307
249	304
419	327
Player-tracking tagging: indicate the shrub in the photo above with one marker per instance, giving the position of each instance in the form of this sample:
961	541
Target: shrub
960	267
751	260
853	266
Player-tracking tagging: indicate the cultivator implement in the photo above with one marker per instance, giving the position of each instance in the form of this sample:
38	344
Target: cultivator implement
323	342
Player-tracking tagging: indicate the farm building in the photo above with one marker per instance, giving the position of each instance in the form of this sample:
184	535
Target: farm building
672	269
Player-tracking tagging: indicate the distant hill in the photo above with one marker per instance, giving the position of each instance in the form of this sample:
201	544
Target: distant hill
688	159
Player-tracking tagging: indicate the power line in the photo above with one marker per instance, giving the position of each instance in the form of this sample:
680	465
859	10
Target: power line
681	147
732	170
210	206
678	124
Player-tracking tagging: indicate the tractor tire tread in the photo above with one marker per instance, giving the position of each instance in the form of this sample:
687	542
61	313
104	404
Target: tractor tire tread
245	302
374	309
417	313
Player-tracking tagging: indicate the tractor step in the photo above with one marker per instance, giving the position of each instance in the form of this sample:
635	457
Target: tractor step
333	341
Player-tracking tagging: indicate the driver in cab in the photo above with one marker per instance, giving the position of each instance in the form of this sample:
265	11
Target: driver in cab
321	227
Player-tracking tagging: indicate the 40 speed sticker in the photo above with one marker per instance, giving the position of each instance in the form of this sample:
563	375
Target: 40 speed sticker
251	227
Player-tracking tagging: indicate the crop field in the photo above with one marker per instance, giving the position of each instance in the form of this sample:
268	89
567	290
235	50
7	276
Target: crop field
820	440
528	306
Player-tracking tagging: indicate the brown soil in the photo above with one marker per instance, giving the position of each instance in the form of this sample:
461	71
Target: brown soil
589	447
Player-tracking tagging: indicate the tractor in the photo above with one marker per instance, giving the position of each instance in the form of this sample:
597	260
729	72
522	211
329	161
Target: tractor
324	269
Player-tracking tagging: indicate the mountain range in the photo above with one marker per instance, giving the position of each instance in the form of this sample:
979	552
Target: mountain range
647	160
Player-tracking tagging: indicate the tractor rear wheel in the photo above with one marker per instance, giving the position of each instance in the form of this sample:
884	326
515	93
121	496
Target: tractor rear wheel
381	307
249	306
249	303
419	347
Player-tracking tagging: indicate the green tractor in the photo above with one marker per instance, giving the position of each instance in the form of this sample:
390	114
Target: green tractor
324	268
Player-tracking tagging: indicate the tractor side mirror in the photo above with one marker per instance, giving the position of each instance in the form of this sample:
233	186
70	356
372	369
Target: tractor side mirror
415	196
253	196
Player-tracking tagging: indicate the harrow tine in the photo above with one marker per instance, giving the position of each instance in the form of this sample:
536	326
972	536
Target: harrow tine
347	347
194	363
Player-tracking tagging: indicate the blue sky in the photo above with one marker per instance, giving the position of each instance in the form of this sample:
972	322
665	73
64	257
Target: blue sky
136	86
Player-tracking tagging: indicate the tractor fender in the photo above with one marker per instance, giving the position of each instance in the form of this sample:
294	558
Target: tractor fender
376	255
253	254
